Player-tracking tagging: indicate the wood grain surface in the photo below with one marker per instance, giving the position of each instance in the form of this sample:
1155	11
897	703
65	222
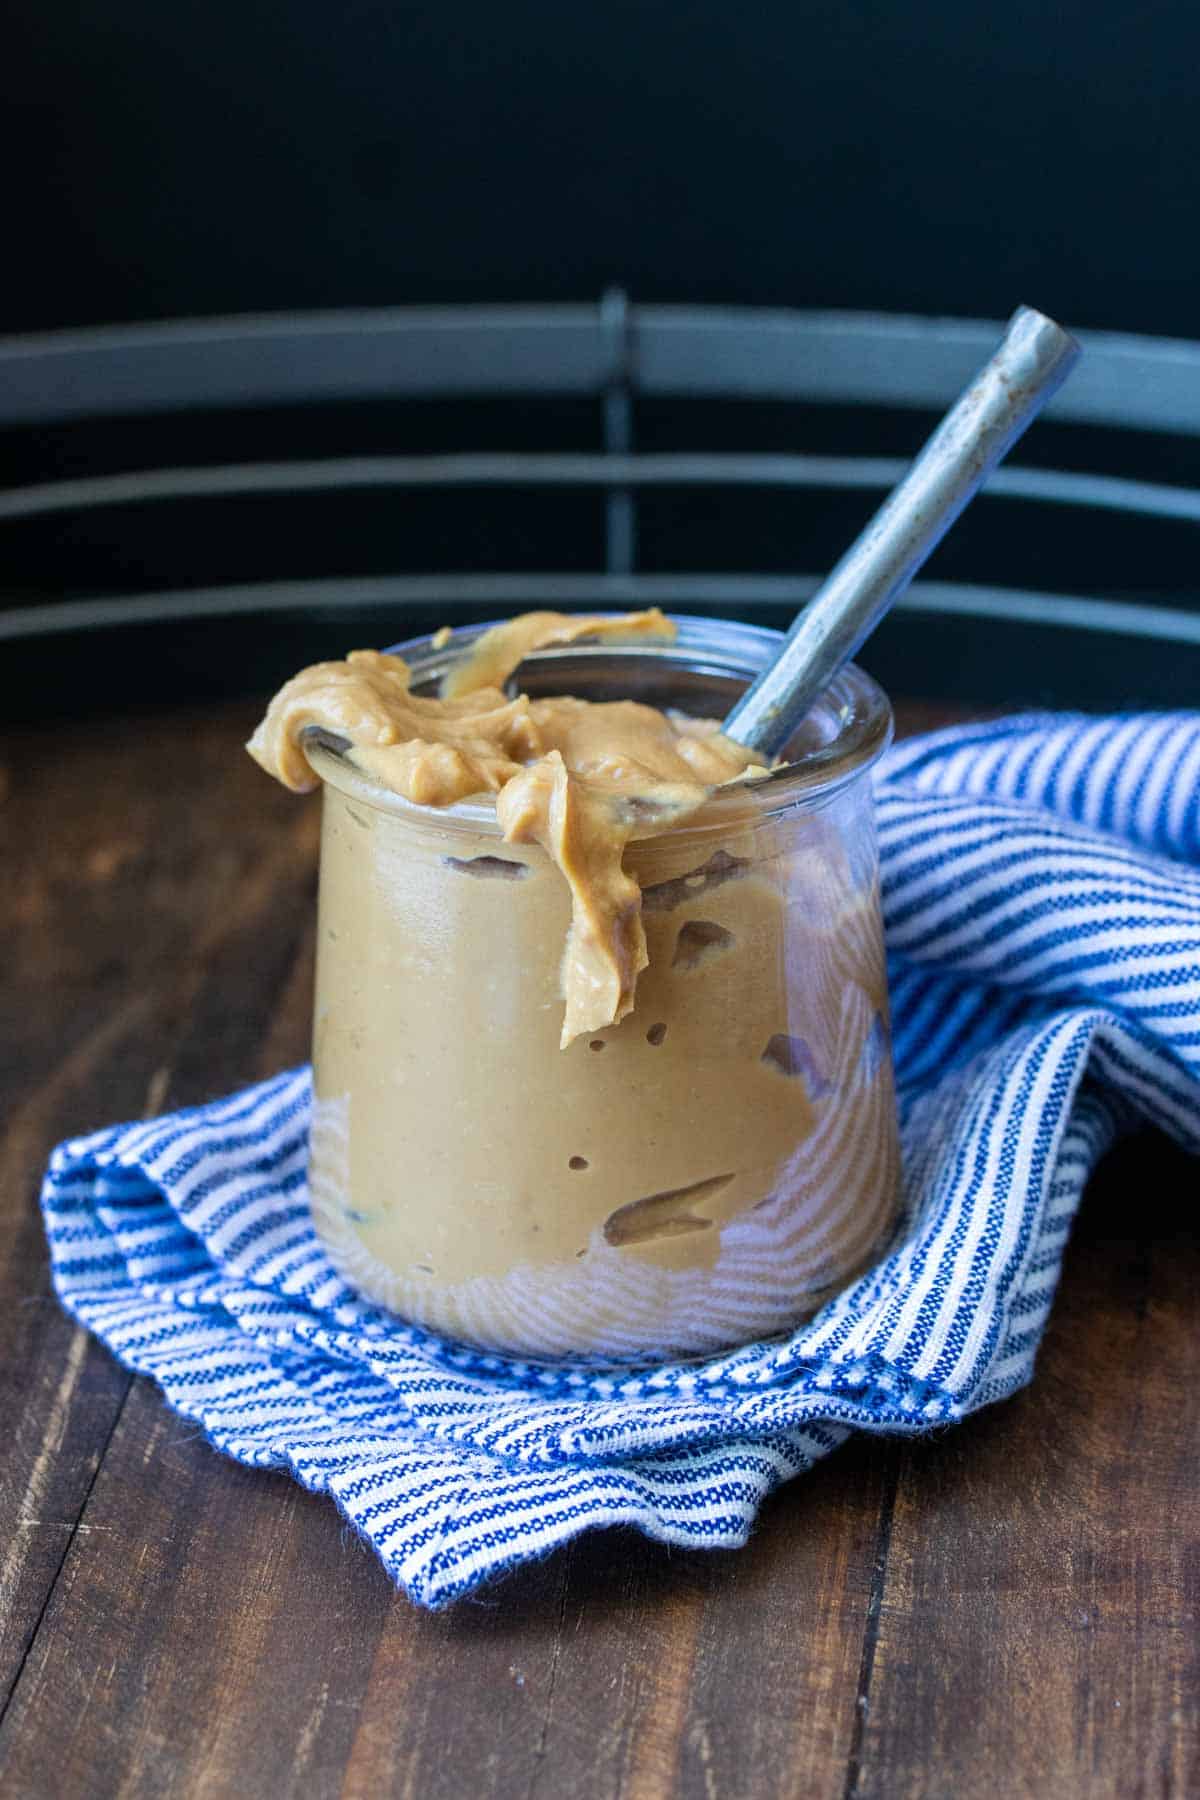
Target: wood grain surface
1007	1609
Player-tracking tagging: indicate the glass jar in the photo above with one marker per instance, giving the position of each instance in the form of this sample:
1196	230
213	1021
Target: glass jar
706	1172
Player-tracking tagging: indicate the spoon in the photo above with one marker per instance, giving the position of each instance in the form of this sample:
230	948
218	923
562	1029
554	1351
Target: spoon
1034	358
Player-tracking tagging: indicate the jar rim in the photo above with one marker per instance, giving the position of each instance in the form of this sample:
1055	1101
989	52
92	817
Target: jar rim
856	707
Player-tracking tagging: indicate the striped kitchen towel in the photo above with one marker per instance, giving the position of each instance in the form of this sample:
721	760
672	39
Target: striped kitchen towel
1042	904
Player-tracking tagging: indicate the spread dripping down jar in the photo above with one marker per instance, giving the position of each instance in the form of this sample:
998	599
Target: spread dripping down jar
707	1171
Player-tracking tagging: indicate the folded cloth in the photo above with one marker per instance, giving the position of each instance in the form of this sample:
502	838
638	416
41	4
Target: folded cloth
1043	928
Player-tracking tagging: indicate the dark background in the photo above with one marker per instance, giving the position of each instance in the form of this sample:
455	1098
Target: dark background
190	160
931	156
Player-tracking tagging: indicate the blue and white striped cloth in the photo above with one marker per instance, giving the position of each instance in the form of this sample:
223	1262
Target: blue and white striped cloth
1042	899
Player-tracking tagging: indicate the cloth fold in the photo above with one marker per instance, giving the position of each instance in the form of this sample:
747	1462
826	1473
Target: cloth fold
1042	910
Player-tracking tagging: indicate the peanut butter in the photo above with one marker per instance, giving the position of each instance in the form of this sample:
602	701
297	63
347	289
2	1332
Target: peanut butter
705	1147
582	780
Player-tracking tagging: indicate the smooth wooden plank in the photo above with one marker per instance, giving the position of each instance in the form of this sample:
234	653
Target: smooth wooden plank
1039	1632
139	859
173	1653
69	1051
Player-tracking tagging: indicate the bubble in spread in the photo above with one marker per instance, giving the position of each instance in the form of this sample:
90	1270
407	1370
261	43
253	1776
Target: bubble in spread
697	941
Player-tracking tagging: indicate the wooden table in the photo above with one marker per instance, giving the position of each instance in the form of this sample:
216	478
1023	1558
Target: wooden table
1007	1609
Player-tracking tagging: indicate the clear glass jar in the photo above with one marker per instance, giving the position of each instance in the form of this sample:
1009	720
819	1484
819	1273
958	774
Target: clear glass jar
706	1172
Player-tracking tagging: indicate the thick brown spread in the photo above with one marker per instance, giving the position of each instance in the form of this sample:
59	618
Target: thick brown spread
581	779
696	1173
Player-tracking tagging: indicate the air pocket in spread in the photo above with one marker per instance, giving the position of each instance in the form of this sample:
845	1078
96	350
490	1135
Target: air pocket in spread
793	1056
489	868
669	1214
697	941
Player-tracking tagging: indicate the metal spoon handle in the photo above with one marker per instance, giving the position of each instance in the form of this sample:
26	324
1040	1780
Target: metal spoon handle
1034	358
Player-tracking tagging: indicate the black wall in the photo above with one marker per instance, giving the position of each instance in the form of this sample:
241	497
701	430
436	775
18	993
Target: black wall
165	157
